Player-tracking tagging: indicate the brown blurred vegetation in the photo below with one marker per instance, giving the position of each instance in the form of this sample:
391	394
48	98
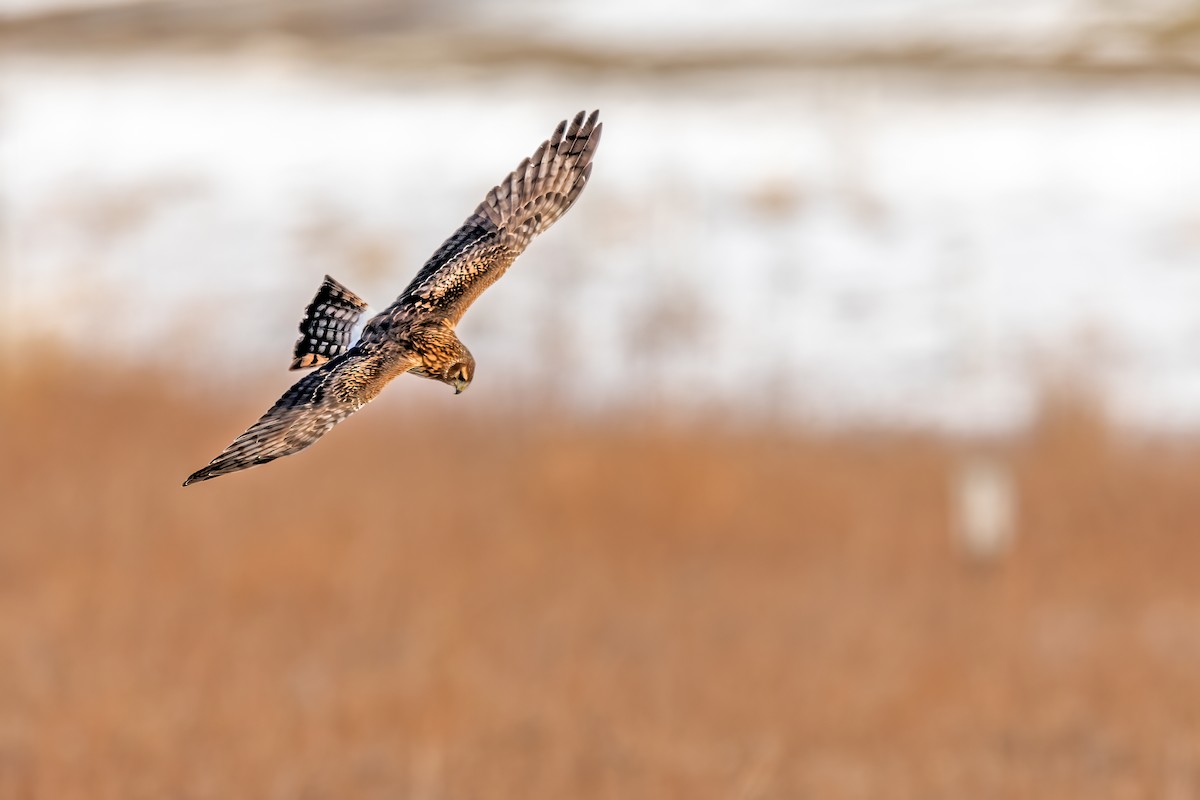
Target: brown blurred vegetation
435	604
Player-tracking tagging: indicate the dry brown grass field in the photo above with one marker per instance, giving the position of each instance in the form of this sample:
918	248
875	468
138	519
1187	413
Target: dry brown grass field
433	604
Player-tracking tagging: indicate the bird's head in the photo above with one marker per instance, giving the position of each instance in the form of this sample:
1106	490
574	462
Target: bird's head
443	357
459	374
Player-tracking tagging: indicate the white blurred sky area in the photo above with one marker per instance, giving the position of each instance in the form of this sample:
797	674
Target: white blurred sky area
839	247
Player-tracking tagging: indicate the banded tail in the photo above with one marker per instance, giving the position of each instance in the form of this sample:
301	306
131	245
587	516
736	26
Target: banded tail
327	329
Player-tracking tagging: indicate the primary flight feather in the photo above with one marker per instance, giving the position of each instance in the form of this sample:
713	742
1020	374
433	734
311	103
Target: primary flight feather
415	334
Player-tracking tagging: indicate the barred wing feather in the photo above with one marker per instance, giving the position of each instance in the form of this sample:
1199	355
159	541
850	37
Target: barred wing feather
309	409
539	191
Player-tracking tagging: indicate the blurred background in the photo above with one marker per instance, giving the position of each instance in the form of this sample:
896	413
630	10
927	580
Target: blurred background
841	442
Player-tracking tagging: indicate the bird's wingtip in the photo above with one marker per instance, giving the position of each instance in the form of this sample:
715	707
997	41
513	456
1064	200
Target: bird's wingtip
197	477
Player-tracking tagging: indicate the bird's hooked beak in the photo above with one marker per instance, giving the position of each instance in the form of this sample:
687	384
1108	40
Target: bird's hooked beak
460	385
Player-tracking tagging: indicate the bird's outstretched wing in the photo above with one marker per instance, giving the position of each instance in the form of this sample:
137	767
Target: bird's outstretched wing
527	202
313	405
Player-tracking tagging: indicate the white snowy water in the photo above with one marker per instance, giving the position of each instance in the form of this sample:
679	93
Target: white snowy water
845	248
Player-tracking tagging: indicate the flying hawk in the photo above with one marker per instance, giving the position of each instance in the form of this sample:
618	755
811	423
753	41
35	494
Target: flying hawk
415	334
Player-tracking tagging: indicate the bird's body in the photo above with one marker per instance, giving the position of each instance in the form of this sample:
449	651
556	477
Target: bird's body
415	333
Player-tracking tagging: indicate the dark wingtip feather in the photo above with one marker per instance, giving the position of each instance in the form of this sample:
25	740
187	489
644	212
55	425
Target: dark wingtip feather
213	469
198	476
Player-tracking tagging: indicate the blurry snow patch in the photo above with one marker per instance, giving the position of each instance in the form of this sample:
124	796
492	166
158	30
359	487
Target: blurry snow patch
672	22
838	248
985	508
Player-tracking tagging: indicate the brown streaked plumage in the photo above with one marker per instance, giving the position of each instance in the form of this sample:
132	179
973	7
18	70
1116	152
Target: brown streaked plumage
415	333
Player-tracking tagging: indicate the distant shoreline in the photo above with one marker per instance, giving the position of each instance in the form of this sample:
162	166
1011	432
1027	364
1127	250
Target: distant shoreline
365	36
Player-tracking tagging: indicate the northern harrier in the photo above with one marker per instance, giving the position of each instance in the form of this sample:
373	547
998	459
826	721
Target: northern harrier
415	334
